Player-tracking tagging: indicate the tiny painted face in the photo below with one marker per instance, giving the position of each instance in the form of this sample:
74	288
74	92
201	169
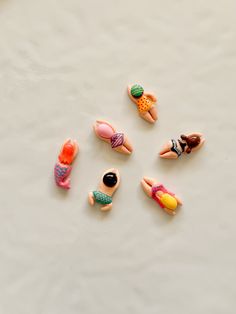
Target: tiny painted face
110	179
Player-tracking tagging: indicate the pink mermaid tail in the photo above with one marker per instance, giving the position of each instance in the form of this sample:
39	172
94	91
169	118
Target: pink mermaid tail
61	174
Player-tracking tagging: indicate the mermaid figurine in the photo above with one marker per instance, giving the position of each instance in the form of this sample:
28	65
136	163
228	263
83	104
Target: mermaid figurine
164	198
118	141
107	187
144	101
186	144
63	167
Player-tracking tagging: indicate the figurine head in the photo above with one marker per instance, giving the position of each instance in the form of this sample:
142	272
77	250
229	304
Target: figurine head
111	179
192	141
136	91
68	152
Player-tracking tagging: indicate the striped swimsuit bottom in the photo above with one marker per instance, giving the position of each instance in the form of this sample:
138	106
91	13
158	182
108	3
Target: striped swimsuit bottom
117	140
174	148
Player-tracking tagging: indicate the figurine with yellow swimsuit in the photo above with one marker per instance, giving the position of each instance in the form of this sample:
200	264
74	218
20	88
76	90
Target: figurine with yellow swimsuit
164	198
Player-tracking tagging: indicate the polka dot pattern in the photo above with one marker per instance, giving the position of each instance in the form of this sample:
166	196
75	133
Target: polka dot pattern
144	104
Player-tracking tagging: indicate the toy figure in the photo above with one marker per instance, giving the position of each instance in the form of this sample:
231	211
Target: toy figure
107	187
165	199
145	102
63	167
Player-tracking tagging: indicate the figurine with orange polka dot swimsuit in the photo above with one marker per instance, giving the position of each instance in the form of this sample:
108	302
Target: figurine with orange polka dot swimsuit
63	167
118	141
145	102
164	198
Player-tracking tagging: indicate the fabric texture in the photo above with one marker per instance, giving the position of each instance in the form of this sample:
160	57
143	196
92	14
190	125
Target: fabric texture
102	198
61	173
117	140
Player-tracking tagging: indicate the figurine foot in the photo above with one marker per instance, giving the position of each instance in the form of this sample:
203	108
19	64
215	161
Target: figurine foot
147	116
91	199
106	208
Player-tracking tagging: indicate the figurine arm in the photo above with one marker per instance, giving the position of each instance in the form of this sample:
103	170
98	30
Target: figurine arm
151	96
179	201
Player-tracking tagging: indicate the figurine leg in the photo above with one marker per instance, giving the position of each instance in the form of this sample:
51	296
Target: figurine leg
147	188
125	148
106	207
147	116
91	198
169	155
149	181
153	112
165	149
128	145
179	201
122	149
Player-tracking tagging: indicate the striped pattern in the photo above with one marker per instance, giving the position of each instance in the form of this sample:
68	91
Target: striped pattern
174	148
137	90
102	198
117	139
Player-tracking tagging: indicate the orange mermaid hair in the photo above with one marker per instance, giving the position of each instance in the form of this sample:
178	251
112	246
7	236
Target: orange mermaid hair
68	152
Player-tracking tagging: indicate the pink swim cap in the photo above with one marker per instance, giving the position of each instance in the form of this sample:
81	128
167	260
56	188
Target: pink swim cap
105	130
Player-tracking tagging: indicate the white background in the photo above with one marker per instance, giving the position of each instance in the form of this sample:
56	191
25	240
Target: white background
64	63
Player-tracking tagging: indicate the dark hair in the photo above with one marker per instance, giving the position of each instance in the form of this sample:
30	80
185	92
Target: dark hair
110	179
191	141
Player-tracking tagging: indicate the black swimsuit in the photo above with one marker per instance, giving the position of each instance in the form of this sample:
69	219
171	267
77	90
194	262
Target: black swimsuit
175	149
183	145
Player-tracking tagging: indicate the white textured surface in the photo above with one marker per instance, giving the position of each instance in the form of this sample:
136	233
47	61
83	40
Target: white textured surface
62	65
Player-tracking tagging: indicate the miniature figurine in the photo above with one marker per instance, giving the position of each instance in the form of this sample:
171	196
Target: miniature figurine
107	187
63	167
145	102
166	199
186	144
107	133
